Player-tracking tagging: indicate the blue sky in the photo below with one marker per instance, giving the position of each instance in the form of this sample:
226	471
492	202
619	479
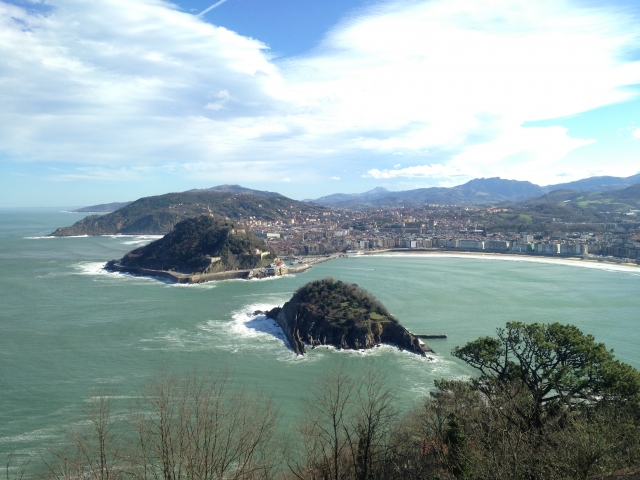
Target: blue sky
118	99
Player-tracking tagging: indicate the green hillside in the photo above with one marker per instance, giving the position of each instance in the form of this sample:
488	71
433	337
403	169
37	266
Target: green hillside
159	214
205	244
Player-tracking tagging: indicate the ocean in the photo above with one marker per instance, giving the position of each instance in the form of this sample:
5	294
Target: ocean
67	326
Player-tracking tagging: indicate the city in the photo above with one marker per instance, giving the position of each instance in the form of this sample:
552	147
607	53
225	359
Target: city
434	227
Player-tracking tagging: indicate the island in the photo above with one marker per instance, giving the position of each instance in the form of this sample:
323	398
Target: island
330	312
202	248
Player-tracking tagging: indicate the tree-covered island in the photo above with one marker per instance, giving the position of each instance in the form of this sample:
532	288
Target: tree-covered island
330	312
201	245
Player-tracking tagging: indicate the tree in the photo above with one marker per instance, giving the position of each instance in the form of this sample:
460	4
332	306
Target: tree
92	449
374	417
202	428
556	367
346	430
324	429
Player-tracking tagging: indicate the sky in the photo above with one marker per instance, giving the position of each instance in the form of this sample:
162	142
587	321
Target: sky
112	100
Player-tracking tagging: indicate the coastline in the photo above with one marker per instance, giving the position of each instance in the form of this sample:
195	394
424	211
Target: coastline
521	256
183	278
249	274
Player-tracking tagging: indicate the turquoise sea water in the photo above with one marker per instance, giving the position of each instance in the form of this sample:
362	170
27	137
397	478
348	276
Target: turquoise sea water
67	327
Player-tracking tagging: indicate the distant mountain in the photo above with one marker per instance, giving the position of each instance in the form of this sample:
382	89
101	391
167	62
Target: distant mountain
474	192
159	214
369	196
102	208
597	184
477	191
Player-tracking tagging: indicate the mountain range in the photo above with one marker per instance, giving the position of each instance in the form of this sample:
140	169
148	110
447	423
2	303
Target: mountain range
476	191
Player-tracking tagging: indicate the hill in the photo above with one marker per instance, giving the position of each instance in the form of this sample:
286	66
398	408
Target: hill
205	244
598	184
611	201
328	312
549	212
159	214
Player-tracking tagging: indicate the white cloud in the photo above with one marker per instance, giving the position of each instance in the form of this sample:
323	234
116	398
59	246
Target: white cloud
448	84
419	171
335	178
636	133
465	76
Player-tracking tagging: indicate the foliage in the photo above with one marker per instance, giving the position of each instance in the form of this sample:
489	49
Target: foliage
556	366
342	303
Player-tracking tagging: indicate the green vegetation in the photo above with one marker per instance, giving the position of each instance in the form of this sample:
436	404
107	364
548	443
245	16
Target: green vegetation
550	403
557	367
204	244
342	303
159	214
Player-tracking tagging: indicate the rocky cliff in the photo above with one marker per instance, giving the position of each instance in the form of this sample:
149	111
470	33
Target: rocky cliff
328	312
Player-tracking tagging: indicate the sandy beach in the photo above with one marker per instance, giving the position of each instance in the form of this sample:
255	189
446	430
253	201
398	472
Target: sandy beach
578	261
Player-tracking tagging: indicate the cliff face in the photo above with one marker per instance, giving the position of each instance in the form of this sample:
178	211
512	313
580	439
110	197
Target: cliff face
327	312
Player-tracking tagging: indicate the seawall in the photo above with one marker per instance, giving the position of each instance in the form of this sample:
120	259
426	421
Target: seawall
179	277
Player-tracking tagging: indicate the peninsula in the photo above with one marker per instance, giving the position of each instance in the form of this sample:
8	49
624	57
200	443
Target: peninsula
330	312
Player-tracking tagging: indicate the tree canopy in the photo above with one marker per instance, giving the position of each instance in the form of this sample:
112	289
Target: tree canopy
555	365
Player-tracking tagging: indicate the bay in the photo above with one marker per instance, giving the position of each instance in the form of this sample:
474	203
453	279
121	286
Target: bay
67	327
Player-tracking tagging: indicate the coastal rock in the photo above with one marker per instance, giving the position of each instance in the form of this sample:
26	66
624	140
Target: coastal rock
328	312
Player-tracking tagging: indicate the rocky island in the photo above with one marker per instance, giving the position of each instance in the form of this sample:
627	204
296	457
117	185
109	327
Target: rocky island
329	312
198	247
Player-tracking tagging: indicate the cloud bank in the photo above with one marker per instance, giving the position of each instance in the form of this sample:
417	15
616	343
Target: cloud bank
133	85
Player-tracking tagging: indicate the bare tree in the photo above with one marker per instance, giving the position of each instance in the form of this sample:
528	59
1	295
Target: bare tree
373	419
346	427
21	468
325	429
200	428
92	448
